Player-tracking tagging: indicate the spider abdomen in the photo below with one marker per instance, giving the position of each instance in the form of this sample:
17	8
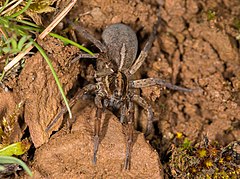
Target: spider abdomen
122	43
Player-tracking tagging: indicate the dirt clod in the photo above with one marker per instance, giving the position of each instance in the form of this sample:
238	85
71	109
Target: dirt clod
38	88
73	152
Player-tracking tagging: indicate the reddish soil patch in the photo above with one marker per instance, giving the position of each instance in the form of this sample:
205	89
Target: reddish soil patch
196	47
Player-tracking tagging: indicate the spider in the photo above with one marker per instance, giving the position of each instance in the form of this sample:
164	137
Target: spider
116	63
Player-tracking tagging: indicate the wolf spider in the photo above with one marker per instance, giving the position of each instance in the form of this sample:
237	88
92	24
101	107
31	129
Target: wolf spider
113	89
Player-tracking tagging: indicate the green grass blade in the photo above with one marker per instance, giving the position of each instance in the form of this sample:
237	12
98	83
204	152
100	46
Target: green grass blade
22	10
22	41
23	22
30	26
13	160
13	42
3	7
66	40
54	75
4	22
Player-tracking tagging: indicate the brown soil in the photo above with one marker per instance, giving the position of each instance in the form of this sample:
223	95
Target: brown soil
196	47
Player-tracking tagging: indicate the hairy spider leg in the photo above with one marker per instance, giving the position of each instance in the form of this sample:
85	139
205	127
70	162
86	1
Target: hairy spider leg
97	124
123	111
84	55
142	102
130	128
155	81
86	89
89	36
144	53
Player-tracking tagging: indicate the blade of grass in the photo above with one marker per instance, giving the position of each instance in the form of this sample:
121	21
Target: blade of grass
54	75
66	40
59	17
13	6
4	6
10	160
63	39
23	22
22	10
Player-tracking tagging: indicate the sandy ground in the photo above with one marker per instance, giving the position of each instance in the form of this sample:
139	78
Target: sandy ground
196	47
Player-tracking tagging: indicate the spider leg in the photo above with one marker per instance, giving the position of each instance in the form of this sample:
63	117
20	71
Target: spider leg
155	81
78	95
97	124
84	55
142	102
123	110
130	127
88	36
143	54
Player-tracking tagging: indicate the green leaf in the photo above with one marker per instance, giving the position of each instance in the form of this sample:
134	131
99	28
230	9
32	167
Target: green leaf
14	43
6	49
18	148
4	22
21	42
186	144
27	45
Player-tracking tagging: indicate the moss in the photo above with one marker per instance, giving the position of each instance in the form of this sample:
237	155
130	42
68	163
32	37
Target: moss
236	24
204	160
211	15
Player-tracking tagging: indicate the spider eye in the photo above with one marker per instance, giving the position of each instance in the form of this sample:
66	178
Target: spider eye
117	93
